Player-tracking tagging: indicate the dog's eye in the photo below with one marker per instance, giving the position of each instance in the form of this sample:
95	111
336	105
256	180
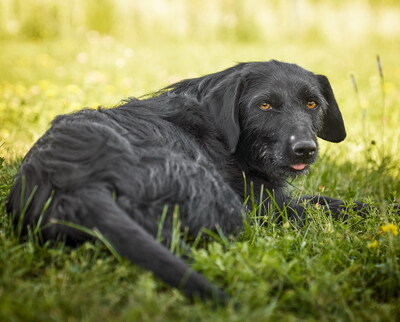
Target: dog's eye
311	105
265	106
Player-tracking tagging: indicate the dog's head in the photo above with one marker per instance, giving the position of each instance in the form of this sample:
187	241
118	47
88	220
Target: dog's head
270	114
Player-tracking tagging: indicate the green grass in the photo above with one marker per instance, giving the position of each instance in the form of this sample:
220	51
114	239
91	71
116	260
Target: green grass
324	271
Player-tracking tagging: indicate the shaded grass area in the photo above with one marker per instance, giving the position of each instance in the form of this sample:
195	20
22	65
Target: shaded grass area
325	270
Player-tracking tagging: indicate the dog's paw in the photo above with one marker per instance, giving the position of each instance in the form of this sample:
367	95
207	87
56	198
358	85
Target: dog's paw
339	209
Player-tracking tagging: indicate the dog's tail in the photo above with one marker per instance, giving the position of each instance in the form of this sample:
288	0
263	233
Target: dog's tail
97	209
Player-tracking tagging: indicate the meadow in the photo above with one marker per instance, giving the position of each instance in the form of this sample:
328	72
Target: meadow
57	57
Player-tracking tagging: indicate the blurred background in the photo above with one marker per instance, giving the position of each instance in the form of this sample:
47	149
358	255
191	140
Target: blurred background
59	56
205	20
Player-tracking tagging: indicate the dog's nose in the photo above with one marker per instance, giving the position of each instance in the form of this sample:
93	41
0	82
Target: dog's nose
304	148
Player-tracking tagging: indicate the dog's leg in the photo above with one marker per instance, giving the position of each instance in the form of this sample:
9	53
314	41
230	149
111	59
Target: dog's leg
131	241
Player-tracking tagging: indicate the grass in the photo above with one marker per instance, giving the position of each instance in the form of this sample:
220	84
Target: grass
326	270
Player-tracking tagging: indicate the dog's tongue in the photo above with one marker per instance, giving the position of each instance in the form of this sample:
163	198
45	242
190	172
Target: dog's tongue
299	166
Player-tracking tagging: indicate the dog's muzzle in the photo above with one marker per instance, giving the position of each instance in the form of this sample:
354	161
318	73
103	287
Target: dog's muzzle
302	149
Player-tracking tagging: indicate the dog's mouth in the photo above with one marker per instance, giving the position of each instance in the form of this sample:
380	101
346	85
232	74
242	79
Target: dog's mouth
285	164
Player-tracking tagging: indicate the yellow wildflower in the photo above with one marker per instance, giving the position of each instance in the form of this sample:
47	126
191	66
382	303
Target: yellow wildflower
373	244
389	228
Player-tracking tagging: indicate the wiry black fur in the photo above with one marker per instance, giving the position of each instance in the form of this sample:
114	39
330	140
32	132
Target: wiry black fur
116	169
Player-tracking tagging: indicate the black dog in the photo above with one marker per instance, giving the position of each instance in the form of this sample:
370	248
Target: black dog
190	145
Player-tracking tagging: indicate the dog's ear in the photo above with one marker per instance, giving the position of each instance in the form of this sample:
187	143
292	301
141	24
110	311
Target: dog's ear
333	129
223	104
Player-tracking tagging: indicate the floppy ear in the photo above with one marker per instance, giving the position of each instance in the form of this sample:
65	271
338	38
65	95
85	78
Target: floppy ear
223	104
332	124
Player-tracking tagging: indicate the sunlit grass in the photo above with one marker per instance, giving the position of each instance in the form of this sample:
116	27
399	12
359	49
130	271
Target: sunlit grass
326	270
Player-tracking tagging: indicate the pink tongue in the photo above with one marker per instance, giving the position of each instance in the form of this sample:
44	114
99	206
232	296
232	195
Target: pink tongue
299	166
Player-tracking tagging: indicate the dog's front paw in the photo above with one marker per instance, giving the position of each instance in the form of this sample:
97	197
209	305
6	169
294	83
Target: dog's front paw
339	209
342	209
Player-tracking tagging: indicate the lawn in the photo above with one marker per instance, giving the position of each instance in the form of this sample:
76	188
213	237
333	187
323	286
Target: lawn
326	270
